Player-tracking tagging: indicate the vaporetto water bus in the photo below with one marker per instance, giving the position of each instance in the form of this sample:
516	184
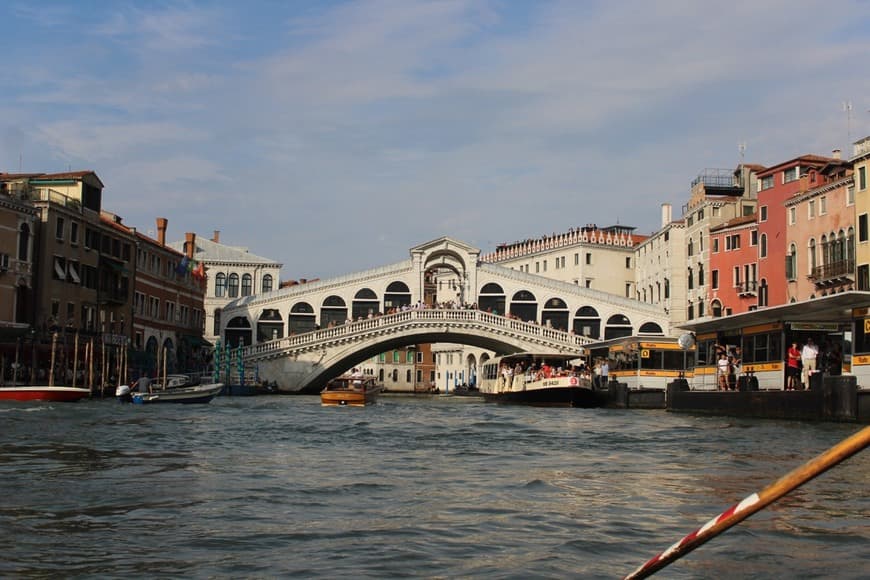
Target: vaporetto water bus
546	379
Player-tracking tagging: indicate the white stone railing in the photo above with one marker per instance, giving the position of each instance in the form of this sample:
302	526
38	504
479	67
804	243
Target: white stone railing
363	329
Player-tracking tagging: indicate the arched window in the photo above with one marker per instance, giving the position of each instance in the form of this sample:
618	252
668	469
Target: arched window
791	263
246	285
267	283
233	286
220	285
812	257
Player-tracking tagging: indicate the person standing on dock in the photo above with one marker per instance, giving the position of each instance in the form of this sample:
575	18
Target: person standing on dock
809	354
793	368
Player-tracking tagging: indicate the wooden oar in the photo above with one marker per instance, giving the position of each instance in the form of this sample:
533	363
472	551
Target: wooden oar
757	501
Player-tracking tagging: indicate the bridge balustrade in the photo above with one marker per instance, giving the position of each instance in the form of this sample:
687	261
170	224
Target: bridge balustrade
366	326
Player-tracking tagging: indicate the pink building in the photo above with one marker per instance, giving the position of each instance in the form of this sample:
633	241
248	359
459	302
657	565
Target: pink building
734	267
776	185
820	233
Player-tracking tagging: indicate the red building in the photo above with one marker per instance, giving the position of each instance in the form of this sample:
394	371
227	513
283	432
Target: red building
734	267
776	185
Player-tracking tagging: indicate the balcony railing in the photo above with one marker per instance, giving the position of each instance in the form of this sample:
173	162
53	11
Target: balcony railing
749	288
833	272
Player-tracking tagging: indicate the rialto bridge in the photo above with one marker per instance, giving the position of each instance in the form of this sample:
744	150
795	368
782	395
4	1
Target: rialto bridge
301	336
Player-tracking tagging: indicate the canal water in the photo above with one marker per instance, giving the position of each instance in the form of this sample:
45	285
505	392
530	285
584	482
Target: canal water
434	487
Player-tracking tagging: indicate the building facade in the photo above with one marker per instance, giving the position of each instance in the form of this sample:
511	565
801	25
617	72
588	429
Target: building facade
861	168
733	284
661	267
820	256
233	272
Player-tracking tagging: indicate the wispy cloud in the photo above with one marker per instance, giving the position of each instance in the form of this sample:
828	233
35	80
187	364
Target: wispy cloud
486	121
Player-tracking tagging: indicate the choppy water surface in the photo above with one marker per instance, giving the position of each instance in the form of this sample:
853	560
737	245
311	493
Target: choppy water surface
412	487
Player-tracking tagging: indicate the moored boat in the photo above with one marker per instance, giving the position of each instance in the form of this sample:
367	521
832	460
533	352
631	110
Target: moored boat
176	389
354	391
43	393
546	379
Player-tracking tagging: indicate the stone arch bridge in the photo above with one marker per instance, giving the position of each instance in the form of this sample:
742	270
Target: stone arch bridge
300	336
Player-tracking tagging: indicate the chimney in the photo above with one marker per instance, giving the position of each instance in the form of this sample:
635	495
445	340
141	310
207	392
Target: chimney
216	238
189	244
804	183
836	153
161	231
666	214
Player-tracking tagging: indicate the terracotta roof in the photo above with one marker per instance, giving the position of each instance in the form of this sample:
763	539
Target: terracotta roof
809	158
734	222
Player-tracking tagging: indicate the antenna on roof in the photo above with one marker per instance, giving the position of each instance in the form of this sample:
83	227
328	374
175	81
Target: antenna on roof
847	108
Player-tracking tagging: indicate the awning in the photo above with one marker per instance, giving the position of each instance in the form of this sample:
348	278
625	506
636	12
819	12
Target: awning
12	331
835	308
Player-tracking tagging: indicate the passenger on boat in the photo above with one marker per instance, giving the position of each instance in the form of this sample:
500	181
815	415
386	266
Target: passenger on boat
357	377
143	385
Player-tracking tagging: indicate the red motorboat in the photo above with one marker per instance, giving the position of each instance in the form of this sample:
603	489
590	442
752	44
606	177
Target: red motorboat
43	393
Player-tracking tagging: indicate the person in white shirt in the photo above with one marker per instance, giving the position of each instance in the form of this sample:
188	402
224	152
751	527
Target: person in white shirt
809	354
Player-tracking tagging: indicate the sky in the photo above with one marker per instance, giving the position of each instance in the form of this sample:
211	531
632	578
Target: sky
334	136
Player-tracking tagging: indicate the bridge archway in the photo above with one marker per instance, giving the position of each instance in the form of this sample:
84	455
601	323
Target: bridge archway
555	314
587	322
365	304
491	298
301	319
239	331
333	312
524	306
270	325
396	296
618	326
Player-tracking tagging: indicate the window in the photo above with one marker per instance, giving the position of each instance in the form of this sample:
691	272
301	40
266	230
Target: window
58	229
862	227
862	178
792	215
811	209
736	276
762	213
537	267
714	279
588	257
753	238
715	245
790	263
823	205
74	233
790	174
59	270
233	286
690	280
246	285
762	250
220	285
409	356
766	182
267	283
864	277
628	262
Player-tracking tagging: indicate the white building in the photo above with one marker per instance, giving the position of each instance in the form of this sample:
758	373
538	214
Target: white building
233	272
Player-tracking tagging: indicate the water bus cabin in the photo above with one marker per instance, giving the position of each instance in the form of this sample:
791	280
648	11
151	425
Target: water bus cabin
644	362
838	324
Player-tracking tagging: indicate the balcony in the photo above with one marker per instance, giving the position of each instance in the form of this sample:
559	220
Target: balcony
834	273
747	289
